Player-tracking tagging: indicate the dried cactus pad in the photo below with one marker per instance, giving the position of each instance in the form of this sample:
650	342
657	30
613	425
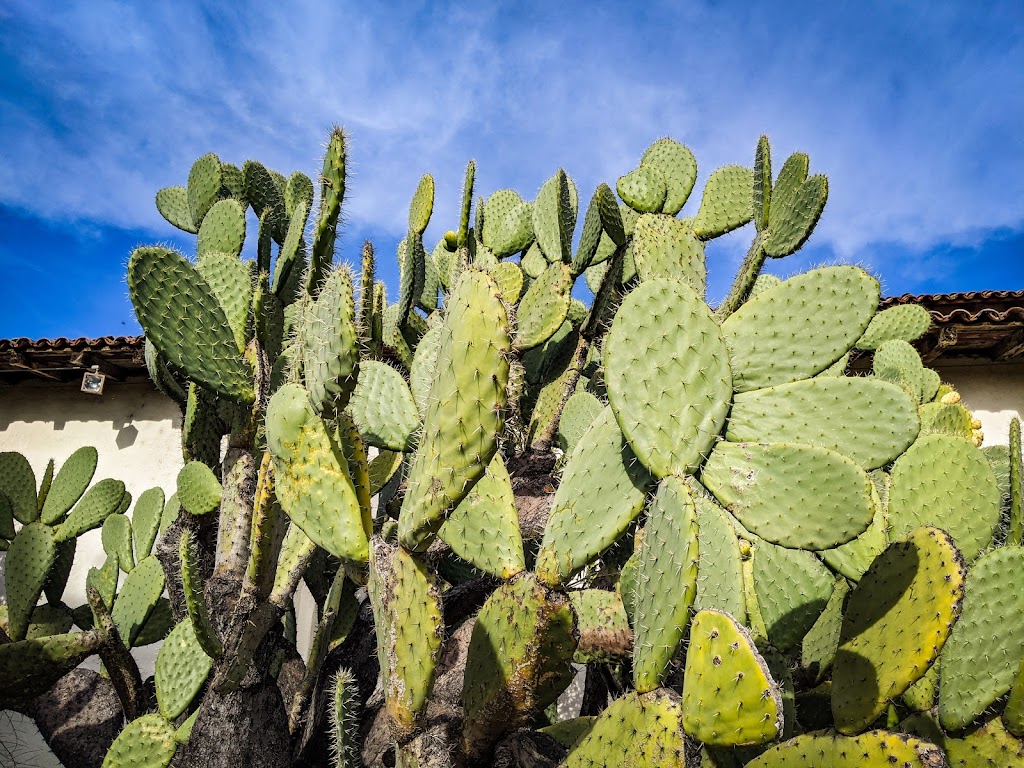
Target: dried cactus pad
668	378
897	620
729	696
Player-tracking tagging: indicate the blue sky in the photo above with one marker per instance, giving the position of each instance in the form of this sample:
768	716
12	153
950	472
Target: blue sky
915	111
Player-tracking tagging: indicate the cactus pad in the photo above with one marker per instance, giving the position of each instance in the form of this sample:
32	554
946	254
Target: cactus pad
554	217
982	656
519	660
897	620
796	206
223	229
146	520
116	537
818	647
727	202
137	598
778	337
601	493
602	625
679	167
729	696
182	316
637	730
578	414
935	481
870	421
26	567
664	348
827	750
465	412
199	491
18	484
508	223
172	202
181	670
29	667
147	742
719	564
665	247
383	408
406	602
906	322
793	495
484	528
792	588
643	189
69	484
313	482
544	306
661	611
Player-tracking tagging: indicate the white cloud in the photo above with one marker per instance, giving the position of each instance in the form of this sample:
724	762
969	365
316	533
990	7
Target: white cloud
915	120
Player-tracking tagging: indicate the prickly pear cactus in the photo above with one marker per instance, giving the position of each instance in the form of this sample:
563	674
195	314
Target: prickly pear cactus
750	556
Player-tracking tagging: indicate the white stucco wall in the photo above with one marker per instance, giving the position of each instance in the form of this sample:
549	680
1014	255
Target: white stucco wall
995	393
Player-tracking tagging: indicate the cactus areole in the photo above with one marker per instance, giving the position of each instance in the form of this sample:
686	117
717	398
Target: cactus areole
490	486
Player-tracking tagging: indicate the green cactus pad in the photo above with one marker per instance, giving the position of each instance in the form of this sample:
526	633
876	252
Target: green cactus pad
981	658
265	196
383	408
509	277
117	540
679	167
763	283
762	192
508	223
313	482
590	237
636	730
870	421
223	229
137	598
199	491
719	564
232	182
643	189
424	362
665	247
853	558
829	750
778	337
484	528
330	345
57	580
181	315
69	484
204	183
796	496
792	588
406	602
544	306
818	647
158	625
664	348
30	667
412	263
231	281
578	414
146	520
554	217
533	262
519	660
729	696
382	468
602	626
935	481
946	419
920	697
794	212
26	566
181	670
465	410
98	502
930	383
6	518
727	202
906	322
172	202
601	493
171	511
104	581
569	732
422	205
660	614
897	620
611	222
18	484
147	742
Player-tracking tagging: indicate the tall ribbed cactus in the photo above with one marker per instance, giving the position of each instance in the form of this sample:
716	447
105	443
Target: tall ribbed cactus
739	542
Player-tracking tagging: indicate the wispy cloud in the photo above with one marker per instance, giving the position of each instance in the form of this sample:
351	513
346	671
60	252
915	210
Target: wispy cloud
914	116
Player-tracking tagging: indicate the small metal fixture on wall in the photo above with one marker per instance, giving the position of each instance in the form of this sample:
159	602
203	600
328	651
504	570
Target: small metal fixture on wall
93	380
